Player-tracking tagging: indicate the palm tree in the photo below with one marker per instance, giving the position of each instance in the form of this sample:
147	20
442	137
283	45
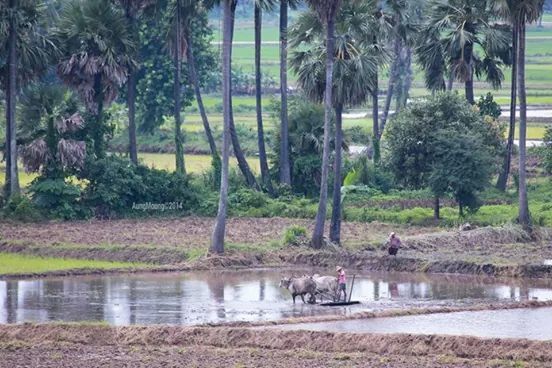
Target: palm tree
243	165
454	29
353	79
403	29
192	71
98	52
27	49
519	13
217	240
326	10
178	48
261	5
285	168
12	180
132	9
52	125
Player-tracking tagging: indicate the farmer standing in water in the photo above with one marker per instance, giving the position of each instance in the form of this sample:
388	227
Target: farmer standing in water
341	283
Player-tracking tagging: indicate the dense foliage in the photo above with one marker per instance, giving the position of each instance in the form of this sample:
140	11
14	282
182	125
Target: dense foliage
443	143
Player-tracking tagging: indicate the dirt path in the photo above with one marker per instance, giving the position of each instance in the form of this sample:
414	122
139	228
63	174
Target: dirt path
92	346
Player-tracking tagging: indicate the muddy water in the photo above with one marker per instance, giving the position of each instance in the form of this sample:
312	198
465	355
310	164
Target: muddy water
194	298
534	324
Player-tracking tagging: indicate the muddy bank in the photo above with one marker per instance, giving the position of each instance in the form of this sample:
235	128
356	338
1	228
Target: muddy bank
175	260
498	252
87	345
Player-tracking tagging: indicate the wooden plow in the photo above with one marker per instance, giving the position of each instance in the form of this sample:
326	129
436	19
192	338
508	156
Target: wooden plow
335	303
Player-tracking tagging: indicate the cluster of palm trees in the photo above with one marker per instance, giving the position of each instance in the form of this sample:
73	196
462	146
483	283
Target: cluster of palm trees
338	50
339	47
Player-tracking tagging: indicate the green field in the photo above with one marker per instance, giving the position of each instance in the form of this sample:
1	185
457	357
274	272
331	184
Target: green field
538	69
15	264
196	164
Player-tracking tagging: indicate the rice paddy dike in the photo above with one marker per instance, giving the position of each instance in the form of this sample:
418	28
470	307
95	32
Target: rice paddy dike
182	244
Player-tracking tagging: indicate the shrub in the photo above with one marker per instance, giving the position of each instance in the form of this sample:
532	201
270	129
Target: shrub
115	187
247	198
21	208
295	235
58	198
546	150
366	173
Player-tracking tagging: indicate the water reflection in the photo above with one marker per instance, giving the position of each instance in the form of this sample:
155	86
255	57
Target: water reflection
192	298
534	324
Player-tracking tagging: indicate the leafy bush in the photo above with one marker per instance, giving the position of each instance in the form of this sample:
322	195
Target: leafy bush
366	173
247	198
546	150
295	235
58	198
306	135
115	187
21	208
444	143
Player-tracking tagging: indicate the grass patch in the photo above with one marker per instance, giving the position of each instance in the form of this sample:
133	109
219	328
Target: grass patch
195	164
16	264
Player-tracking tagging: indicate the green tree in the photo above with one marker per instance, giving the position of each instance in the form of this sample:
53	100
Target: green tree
520	13
217	240
411	137
285	169
453	31
98	55
26	49
133	10
462	166
403	32
52	126
353	80
327	11
261	5
547	150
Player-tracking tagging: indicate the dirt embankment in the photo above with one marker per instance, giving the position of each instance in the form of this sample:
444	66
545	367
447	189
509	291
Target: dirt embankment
505	252
92	346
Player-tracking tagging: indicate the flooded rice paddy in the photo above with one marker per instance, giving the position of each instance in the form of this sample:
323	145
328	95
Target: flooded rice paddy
219	296
534	324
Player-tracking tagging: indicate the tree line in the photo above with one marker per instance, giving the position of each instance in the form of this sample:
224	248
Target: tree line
338	49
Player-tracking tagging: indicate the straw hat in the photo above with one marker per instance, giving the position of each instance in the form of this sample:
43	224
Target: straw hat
338	268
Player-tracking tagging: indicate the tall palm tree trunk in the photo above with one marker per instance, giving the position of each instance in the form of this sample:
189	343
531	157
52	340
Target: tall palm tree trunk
375	119
131	101
524	216
469	80
98	131
392	83
12	179
503	177
217	239
265	175
178	138
335	226
404	95
192	71
318	233
285	168
131	97
243	165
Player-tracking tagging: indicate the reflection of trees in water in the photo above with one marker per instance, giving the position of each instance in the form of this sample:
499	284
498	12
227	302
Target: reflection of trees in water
11	301
262	286
216	284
